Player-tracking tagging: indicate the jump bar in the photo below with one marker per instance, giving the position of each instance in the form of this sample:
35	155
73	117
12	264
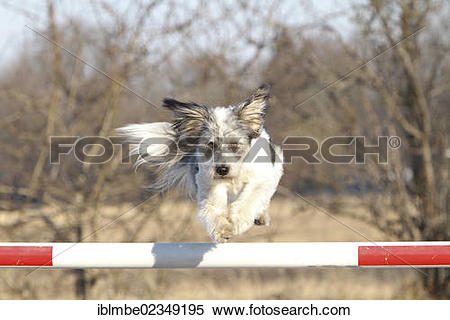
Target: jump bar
430	254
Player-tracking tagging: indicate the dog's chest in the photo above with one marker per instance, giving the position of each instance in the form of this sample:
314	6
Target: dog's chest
235	188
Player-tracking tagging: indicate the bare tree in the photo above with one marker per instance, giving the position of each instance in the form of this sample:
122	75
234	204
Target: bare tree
397	90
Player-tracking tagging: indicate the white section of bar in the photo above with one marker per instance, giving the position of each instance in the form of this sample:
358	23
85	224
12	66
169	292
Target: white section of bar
205	255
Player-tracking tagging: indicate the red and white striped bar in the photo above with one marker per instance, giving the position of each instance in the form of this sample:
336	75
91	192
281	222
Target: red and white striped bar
433	254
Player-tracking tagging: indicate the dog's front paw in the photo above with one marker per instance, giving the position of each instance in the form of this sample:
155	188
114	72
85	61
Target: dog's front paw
223	230
263	220
240	223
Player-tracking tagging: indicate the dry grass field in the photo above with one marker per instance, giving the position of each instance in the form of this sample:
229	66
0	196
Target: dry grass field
292	220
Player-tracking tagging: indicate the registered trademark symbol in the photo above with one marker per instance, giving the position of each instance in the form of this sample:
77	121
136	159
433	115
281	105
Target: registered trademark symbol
394	142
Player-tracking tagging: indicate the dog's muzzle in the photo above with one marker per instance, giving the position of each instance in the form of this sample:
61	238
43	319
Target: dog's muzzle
222	170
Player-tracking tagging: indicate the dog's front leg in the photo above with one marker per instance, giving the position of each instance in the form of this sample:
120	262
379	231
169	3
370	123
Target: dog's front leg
251	205
213	210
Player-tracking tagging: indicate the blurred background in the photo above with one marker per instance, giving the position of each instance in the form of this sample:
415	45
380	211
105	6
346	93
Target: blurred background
366	68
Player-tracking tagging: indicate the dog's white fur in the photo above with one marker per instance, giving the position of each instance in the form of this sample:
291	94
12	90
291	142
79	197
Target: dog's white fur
228	205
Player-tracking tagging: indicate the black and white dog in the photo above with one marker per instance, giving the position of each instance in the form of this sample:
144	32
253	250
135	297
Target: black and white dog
212	160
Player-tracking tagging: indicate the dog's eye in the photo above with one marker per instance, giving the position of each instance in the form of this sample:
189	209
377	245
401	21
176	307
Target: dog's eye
234	146
212	145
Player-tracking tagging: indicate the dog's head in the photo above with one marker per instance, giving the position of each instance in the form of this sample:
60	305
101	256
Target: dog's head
222	134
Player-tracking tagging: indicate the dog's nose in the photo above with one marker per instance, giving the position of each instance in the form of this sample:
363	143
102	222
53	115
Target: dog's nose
222	170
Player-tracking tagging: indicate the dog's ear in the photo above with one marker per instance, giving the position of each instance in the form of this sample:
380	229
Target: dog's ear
190	118
252	112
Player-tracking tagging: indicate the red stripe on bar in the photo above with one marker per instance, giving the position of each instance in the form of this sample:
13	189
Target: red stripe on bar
403	255
26	256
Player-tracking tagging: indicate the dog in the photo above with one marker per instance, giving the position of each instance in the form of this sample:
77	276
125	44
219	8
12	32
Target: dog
214	154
